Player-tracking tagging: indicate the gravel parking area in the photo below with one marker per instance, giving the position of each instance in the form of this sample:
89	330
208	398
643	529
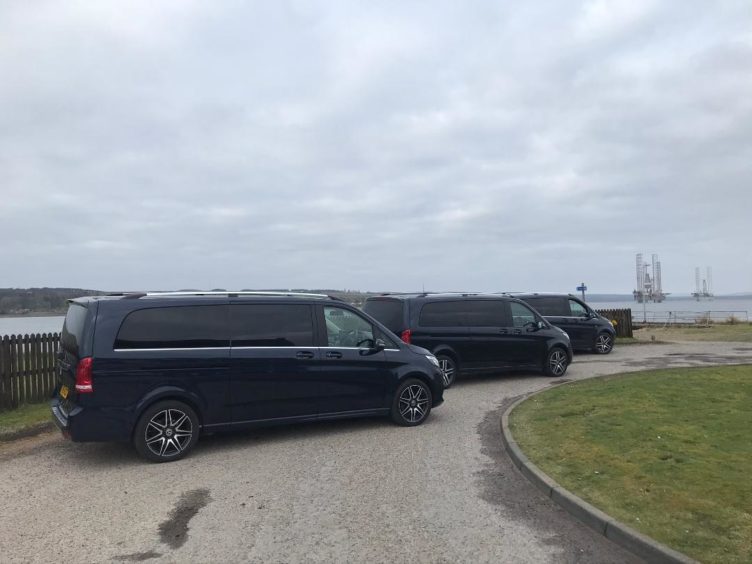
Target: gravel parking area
332	492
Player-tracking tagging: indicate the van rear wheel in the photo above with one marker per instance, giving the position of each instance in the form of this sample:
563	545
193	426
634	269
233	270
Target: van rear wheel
448	369
166	431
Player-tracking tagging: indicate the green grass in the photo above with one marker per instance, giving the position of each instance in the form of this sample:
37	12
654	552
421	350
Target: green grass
739	332
26	416
668	452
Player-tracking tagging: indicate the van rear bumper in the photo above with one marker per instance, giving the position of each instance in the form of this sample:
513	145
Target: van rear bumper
90	424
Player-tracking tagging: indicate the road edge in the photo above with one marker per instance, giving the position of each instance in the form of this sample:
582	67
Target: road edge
623	535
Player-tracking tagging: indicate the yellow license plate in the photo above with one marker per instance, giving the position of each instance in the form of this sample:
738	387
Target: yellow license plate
64	392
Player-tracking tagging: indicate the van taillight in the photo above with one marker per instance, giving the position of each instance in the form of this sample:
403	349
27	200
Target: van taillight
84	383
406	336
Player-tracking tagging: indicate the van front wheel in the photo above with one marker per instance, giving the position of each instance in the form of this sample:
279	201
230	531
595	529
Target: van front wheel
166	431
557	362
412	403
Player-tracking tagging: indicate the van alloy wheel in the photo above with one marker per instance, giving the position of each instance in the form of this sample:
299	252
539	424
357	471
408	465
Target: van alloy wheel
557	362
448	370
168	433
411	403
604	343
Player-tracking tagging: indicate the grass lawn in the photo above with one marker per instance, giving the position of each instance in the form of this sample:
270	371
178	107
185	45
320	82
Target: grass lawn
22	418
668	452
739	332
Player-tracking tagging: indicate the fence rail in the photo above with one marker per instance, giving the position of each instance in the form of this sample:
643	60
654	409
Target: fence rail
27	368
705	317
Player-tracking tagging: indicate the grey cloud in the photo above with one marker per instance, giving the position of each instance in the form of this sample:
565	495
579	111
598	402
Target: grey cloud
374	146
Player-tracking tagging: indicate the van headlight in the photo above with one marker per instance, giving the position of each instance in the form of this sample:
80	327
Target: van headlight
433	360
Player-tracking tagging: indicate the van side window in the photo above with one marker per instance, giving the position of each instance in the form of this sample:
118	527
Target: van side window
485	313
177	327
271	325
577	309
442	314
521	314
549	305
345	328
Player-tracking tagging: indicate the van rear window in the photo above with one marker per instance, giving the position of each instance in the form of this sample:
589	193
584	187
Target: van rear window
177	327
388	312
73	327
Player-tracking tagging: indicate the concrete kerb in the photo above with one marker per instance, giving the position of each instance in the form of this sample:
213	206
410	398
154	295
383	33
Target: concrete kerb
29	431
626	537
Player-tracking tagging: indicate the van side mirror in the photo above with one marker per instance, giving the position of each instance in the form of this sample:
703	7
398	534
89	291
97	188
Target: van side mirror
378	346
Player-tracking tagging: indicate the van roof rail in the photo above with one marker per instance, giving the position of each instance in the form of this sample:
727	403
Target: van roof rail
230	294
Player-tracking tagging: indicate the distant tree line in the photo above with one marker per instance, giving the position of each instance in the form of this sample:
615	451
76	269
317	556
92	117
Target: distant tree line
21	301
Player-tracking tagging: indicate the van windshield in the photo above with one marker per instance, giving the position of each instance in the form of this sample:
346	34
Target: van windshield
73	327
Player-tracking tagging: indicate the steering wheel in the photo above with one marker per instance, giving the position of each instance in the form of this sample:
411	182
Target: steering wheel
364	341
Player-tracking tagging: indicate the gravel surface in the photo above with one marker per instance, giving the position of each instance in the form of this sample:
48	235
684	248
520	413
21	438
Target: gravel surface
362	490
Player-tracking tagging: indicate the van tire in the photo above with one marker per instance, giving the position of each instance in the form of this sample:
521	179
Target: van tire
166	431
557	362
449	369
604	343
412	403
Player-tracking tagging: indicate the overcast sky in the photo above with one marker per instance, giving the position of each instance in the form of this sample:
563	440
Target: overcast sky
379	145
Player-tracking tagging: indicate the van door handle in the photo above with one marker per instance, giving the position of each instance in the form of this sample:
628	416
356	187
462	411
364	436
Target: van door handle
304	354
334	354
503	331
518	331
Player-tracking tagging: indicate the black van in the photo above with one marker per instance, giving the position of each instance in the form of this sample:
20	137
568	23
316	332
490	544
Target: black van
586	329
472	333
157	369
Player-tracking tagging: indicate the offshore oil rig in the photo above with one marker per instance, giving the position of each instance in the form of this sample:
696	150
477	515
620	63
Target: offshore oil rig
704	290
649	287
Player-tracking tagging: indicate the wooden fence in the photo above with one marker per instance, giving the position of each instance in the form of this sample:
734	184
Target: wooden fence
27	368
623	318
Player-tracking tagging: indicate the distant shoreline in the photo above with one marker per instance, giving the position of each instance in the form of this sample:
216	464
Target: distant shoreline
34	314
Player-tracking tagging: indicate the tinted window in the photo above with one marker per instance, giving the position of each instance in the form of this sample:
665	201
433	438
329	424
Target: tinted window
485	313
521	314
345	328
442	314
549	305
577	309
73	327
271	325
388	312
176	327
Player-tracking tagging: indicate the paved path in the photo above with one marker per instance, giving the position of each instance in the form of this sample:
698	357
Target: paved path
347	491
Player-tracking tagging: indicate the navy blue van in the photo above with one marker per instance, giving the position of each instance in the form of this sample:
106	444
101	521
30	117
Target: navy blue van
474	333
158	369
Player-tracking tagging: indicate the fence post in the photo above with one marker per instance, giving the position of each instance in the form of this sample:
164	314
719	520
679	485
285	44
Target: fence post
5	389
